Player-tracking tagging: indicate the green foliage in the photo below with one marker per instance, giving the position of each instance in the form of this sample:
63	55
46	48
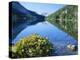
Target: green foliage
66	19
32	46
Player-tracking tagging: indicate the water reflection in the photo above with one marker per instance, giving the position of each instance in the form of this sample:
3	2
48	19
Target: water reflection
59	38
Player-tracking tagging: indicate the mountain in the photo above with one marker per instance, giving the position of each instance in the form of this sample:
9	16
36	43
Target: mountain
20	18
66	19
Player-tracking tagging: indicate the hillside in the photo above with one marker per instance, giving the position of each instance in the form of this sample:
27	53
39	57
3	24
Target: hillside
20	18
66	19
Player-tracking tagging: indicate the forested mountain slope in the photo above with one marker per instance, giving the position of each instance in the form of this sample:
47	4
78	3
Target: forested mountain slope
66	19
21	17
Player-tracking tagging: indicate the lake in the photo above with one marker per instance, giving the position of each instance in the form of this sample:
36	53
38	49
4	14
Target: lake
59	38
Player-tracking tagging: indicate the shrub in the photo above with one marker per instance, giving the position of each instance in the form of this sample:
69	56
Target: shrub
32	46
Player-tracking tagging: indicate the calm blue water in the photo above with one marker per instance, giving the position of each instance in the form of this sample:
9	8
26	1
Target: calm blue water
59	38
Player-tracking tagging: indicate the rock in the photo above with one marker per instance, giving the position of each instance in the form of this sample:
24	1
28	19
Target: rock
72	47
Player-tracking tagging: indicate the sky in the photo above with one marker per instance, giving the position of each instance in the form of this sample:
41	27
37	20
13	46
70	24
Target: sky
42	8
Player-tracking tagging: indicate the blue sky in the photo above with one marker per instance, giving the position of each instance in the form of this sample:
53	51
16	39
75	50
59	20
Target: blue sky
42	8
